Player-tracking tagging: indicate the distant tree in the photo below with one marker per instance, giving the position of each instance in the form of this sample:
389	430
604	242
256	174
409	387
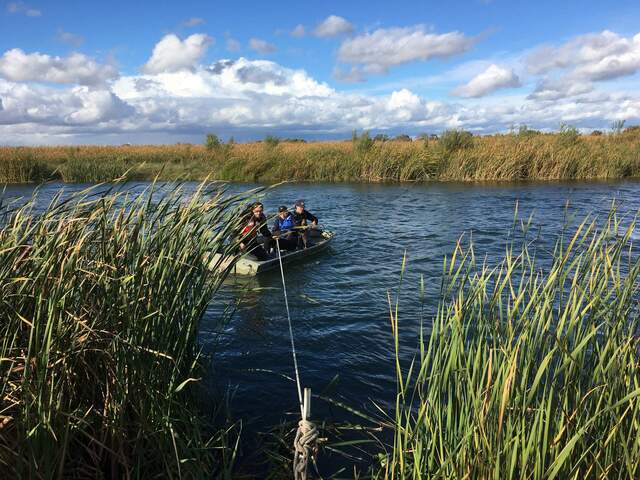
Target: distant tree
271	141
212	141
403	138
381	137
596	133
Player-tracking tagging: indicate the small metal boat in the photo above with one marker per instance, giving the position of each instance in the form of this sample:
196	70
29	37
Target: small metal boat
248	264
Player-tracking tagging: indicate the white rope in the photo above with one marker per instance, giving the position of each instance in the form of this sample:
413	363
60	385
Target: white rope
293	345
304	444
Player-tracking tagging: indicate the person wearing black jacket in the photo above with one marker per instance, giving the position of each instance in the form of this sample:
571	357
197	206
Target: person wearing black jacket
303	218
256	223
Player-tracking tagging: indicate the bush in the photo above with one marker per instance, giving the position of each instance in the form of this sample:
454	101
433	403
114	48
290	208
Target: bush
271	141
403	138
525	131
596	133
212	142
568	135
363	143
452	140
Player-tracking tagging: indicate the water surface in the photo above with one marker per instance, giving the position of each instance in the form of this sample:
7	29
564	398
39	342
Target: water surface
338	300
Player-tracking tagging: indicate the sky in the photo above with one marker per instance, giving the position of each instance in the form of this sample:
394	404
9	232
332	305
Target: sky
116	72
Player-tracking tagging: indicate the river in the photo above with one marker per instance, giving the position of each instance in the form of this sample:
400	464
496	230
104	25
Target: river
338	299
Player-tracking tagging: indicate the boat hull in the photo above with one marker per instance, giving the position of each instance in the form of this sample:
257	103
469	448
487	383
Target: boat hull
246	265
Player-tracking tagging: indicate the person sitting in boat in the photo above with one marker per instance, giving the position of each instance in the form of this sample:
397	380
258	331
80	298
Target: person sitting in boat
283	229
256	222
301	219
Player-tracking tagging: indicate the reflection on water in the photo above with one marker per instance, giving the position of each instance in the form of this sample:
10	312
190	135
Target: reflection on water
338	299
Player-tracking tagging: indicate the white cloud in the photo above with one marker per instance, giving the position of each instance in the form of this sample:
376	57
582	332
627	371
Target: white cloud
248	98
233	45
21	8
172	54
388	47
299	31
492	79
261	46
592	57
77	68
548	90
77	106
70	38
332	26
193	21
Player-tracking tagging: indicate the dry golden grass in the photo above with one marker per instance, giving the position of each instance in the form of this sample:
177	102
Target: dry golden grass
498	157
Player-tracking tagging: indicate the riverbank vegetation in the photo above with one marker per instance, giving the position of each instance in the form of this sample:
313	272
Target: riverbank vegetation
100	366
454	156
531	368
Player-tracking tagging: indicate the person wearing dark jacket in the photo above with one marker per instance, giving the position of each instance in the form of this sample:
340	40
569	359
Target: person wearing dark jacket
303	218
256	223
283	229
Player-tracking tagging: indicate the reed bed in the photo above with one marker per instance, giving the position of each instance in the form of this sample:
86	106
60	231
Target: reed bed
531	369
498	157
102	295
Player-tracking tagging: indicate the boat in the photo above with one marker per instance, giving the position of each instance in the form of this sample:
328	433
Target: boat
248	264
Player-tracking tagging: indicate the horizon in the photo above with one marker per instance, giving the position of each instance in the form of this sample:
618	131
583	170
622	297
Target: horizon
164	74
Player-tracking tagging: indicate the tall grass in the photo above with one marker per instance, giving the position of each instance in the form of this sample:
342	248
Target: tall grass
456	156
102	295
532	367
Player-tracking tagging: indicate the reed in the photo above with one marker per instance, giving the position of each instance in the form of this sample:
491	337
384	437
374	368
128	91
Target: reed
457	156
102	295
531	368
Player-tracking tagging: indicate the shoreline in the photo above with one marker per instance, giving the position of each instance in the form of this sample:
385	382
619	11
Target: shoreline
498	158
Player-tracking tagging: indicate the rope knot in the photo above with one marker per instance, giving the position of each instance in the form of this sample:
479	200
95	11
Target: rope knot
305	447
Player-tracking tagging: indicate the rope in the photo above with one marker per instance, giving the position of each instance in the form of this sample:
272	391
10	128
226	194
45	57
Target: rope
293	345
304	443
305	448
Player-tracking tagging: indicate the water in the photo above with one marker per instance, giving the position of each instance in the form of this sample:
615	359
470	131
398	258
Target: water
338	299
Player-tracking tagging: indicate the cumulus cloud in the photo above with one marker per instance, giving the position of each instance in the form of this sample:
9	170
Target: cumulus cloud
248	98
19	66
21	8
70	38
172	54
79	106
299	31
492	79
333	26
388	47
592	57
261	46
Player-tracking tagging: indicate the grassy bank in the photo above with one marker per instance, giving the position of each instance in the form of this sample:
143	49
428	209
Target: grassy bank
453	157
532	369
101	301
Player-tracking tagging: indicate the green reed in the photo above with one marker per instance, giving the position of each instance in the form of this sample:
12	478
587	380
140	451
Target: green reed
531	369
102	295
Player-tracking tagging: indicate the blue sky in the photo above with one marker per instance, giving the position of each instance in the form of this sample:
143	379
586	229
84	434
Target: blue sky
113	72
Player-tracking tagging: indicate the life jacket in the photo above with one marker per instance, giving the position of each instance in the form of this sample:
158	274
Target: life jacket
249	229
286	223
